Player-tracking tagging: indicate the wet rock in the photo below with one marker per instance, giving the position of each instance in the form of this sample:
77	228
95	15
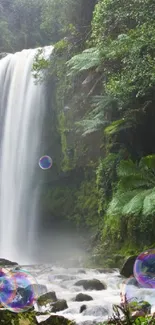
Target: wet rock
4	262
82	308
127	268
81	271
57	320
58	306
98	311
47	298
17	268
83	297
93	284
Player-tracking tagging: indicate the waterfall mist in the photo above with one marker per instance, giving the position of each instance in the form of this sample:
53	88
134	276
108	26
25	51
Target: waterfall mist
22	109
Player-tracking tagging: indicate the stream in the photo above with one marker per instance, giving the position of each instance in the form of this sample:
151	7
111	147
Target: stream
62	281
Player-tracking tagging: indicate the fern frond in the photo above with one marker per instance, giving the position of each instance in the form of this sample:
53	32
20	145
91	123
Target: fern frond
135	194
86	60
135	205
91	125
118	125
104	102
149	203
119	201
148	161
127	168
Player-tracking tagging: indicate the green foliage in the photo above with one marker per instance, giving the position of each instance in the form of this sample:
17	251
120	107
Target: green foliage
133	200
105	178
99	116
9	318
127	318
125	36
74	203
40	66
86	214
88	59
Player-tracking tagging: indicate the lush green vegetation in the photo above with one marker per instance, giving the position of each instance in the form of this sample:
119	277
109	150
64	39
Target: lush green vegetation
101	129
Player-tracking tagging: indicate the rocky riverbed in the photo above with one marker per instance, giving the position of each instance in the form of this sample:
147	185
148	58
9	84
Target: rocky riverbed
83	296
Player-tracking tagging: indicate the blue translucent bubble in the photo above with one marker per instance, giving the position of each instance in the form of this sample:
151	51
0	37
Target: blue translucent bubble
45	162
17	291
144	269
7	287
130	290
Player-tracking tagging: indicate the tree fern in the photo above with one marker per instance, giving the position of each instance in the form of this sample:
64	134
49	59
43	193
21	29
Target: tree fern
135	194
86	60
97	117
118	202
90	126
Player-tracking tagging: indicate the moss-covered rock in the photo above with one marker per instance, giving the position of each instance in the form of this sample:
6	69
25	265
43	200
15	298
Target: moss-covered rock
143	306
47	298
57	320
93	284
9	318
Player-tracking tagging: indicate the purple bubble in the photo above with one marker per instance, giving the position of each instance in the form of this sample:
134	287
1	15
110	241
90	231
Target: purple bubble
45	162
144	269
24	295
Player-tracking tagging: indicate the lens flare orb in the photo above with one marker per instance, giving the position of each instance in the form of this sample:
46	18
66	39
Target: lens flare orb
22	295
45	162
144	269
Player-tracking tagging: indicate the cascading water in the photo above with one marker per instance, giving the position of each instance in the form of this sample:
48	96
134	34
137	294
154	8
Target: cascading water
22	108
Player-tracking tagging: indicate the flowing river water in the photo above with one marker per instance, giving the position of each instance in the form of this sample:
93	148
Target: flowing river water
62	281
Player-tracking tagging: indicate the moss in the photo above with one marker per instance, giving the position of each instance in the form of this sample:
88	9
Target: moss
9	318
57	320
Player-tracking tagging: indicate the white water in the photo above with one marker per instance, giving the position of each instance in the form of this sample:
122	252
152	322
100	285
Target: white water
62	281
22	108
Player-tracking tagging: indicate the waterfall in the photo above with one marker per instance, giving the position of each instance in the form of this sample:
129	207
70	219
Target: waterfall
22	110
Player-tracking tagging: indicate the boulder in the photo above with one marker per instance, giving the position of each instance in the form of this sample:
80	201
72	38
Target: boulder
56	320
83	297
127	268
4	262
99	311
58	306
47	298
81	271
93	284
82	308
